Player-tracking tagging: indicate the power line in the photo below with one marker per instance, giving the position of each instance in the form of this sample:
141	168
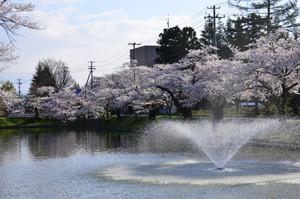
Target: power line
134	50
214	17
91	68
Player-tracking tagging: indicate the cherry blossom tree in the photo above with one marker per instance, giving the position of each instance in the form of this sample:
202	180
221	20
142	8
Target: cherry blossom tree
148	98
200	76
182	80
66	105
272	69
12	18
11	102
129	87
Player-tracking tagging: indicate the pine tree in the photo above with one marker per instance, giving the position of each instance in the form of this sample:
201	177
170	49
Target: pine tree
277	13
50	72
175	43
207	35
245	30
42	77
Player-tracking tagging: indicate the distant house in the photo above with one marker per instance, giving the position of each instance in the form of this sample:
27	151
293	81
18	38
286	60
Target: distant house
145	55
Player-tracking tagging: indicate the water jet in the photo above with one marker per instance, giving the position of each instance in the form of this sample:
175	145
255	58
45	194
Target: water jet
219	141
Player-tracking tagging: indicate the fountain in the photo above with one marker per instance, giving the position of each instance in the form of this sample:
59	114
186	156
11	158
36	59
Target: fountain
200	154
219	141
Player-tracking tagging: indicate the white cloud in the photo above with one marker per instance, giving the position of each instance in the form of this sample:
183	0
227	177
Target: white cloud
76	38
114	14
57	1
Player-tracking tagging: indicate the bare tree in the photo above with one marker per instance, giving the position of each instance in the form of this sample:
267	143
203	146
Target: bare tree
61	74
50	72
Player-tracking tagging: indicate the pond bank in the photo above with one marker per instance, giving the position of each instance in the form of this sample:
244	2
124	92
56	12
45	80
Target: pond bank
127	124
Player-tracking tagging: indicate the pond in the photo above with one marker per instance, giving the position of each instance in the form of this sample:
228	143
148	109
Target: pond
94	163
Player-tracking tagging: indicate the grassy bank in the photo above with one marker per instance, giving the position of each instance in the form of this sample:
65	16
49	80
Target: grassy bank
126	122
27	122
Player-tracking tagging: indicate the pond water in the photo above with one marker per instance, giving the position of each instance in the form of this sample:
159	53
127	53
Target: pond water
80	163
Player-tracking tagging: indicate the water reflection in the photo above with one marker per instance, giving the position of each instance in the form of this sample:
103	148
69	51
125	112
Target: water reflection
31	144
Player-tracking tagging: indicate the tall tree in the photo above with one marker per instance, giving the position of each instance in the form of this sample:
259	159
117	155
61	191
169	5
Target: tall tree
50	72
207	35
61	74
42	77
278	13
175	43
245	30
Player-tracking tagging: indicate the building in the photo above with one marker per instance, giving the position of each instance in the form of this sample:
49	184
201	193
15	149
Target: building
145	55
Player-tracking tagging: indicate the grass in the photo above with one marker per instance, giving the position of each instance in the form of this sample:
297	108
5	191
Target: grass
26	122
126	122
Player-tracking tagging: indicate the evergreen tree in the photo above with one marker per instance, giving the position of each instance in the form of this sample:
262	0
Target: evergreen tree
42	77
277	13
207	36
245	30
8	86
175	43
50	72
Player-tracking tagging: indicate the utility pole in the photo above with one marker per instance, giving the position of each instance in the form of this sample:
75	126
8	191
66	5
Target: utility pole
19	86
91	68
214	17
134	50
168	21
134	58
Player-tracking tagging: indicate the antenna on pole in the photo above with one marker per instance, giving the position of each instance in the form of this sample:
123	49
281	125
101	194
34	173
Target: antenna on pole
168	21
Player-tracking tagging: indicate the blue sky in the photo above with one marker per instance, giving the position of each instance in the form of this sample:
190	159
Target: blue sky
78	31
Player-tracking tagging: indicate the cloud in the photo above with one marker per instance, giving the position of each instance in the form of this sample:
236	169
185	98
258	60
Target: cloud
114	14
58	1
76	38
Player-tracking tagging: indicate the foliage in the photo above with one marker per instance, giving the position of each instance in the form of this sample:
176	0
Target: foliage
8	86
277	14
268	70
66	105
42	77
245	30
207	36
50	72
272	69
175	44
12	18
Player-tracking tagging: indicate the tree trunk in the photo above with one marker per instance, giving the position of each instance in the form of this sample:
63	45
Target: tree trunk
218	113
37	113
152	114
187	113
283	105
118	113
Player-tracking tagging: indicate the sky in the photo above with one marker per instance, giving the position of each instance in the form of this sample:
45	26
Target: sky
79	31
